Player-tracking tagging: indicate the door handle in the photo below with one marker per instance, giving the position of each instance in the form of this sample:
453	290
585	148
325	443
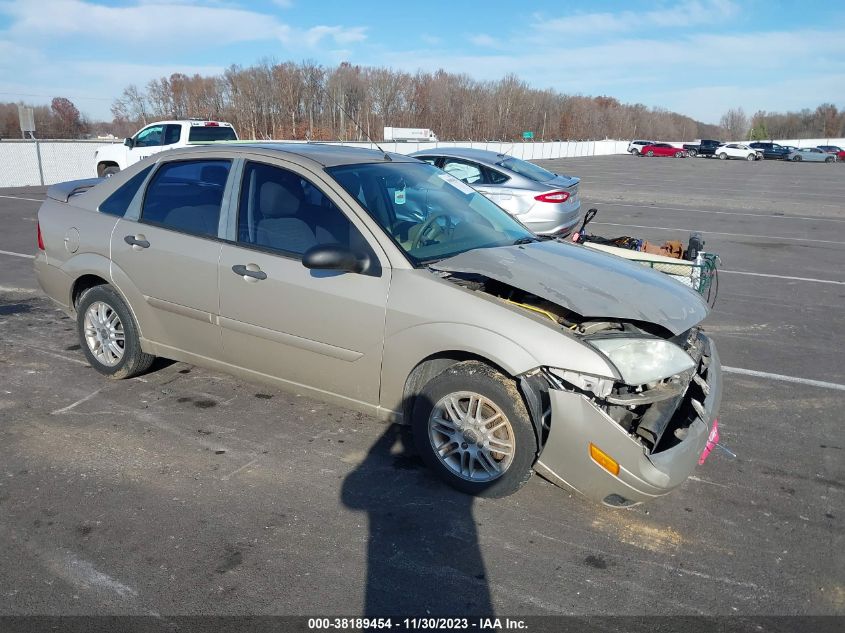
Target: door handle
137	242
250	272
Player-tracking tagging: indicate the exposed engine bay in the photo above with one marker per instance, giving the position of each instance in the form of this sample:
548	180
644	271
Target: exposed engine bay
657	414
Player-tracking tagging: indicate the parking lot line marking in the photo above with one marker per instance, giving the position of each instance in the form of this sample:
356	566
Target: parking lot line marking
818	281
610	203
781	377
13	254
22	198
77	403
237	470
762	237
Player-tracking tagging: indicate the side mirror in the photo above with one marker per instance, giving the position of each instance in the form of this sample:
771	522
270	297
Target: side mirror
335	257
129	143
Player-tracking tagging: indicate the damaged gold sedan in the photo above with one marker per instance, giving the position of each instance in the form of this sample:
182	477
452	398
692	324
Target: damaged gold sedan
383	284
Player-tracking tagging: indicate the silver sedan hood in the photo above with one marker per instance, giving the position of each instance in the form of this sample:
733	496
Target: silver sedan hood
587	282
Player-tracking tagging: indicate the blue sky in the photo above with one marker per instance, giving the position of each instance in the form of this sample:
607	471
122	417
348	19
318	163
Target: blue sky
698	57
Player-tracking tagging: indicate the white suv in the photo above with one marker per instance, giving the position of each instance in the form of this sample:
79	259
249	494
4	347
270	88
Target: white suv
635	147
157	137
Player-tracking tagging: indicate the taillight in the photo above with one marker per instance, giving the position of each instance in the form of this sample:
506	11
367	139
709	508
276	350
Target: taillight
553	196
40	239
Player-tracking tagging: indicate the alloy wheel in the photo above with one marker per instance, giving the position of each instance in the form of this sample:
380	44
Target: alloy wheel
104	333
471	436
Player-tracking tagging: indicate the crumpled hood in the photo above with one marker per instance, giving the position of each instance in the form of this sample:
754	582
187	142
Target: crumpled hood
587	282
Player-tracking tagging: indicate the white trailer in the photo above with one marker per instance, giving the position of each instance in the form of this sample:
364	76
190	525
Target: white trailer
419	134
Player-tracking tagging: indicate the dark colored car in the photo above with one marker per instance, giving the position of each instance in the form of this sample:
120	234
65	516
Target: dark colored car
705	147
833	149
663	149
771	151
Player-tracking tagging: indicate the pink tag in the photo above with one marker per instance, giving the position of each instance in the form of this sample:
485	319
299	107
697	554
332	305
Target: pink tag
575	237
712	440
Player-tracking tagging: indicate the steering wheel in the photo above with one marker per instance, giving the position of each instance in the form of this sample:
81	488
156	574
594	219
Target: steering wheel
424	228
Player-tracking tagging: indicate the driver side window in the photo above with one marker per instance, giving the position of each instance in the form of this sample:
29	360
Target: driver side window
150	137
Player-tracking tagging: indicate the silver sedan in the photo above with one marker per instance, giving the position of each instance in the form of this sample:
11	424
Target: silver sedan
811	155
545	202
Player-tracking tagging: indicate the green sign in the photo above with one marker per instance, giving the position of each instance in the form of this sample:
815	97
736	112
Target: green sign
527	135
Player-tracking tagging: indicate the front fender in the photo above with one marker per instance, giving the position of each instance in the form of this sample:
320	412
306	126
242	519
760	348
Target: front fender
405	349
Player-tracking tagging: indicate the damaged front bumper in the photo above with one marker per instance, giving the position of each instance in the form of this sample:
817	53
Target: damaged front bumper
577	422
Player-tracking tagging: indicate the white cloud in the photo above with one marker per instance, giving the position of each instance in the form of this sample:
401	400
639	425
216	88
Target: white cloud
640	69
162	25
485	41
431	40
688	13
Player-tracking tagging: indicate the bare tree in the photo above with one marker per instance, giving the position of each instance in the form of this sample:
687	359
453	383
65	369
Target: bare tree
735	124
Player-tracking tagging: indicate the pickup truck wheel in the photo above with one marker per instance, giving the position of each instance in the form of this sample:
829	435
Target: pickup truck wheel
692	153
723	156
110	171
108	334
472	428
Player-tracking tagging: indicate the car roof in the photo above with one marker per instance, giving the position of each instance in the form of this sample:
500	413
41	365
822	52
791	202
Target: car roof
464	152
322	153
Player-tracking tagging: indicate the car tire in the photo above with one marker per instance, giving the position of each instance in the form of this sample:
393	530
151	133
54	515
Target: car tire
797	159
458	447
110	171
829	159
649	153
635	152
751	157
679	154
692	153
723	156
109	335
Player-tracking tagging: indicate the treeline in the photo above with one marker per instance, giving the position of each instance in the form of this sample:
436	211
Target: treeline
309	101
826	121
61	119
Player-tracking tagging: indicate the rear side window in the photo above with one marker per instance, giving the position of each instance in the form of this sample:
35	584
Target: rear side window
172	134
494	177
204	133
119	201
186	196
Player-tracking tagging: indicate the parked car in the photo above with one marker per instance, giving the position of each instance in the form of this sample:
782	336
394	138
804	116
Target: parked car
833	149
813	155
663	149
158	137
545	202
771	151
383	284
635	147
738	150
704	147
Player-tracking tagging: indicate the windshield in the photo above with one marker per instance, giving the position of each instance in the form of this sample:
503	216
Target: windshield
529	170
211	133
429	214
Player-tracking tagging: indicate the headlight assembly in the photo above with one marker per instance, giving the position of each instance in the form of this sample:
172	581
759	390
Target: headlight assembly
644	360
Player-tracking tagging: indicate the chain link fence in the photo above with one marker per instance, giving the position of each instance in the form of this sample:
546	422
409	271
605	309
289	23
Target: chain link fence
29	163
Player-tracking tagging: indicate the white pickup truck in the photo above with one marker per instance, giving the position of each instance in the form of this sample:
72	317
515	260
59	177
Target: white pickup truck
157	137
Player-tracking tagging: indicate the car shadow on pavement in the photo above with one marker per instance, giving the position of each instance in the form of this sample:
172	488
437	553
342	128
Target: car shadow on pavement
423	554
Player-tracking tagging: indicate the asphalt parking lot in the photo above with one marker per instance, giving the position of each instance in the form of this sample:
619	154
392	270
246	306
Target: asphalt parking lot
189	492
